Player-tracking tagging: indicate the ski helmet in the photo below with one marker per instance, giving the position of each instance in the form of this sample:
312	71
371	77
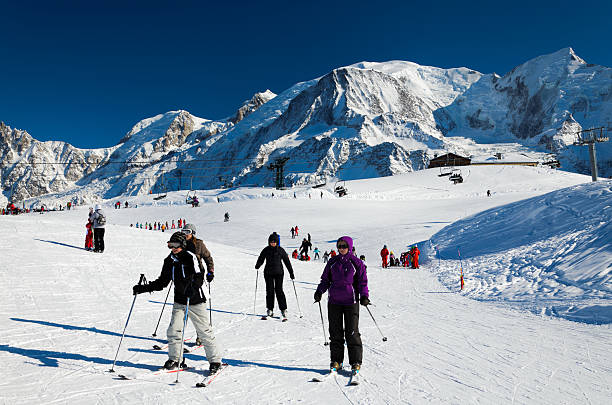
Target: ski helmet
189	228
179	237
273	237
98	207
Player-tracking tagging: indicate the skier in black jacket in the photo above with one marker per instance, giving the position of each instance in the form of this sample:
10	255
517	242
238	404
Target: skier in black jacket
273	273
305	247
181	266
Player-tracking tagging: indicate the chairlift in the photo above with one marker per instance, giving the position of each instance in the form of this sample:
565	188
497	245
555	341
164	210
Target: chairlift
321	181
164	190
340	188
455	176
190	196
445	171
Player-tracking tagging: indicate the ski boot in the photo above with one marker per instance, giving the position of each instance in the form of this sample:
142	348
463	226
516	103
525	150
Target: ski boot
173	365
334	366
270	313
213	368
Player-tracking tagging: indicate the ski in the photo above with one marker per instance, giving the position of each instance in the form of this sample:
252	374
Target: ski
324	377
355	378
284	319
164	347
264	318
150	374
211	377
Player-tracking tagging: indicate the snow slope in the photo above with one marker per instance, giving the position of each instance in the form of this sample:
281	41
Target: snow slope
552	253
63	309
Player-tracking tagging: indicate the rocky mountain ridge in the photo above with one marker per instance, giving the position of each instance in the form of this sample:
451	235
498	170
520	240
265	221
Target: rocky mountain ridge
364	120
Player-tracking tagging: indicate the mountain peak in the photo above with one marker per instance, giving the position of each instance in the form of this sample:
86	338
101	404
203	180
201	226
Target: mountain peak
251	105
569	54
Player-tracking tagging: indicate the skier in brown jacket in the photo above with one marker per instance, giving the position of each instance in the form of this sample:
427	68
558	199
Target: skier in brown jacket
198	247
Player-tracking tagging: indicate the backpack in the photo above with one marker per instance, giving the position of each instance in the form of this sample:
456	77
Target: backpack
101	219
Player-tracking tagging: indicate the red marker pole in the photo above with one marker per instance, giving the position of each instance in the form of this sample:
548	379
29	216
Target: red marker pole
461	264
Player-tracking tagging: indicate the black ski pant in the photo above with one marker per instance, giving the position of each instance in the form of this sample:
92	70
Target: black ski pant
99	239
274	285
344	324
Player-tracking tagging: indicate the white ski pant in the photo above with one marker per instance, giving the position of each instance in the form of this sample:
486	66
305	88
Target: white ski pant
199	318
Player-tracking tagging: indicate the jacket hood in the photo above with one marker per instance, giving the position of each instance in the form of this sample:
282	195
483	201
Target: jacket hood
349	242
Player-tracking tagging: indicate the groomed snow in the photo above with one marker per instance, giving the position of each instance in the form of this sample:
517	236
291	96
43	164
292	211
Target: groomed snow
63	309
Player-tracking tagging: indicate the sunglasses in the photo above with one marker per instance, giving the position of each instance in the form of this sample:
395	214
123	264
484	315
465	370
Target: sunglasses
342	246
173	245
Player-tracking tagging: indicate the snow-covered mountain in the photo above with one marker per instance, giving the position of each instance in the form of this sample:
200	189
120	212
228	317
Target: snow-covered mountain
541	103
359	121
30	168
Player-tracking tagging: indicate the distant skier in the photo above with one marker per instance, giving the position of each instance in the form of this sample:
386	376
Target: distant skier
226	217
345	277
99	224
316	253
292	233
296	230
415	256
181	267
384	253
305	247
274	256
488	193
325	257
89	237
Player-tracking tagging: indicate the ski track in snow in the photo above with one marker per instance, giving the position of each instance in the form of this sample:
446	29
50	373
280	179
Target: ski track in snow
64	309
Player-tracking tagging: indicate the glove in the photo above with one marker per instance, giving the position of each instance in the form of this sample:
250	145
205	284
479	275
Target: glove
364	301
292	276
209	276
317	296
139	289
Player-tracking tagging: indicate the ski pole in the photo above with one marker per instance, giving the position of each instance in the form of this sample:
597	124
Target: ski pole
384	337
323	325
181	360
142	280
296	297
255	300
209	305
162	311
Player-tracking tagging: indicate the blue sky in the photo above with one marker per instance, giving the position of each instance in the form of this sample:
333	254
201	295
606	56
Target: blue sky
85	72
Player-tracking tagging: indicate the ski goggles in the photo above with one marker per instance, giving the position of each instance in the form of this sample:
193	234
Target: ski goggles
173	245
186	231
342	245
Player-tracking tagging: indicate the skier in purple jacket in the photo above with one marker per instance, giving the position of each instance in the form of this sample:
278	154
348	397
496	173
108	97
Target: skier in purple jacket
346	279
